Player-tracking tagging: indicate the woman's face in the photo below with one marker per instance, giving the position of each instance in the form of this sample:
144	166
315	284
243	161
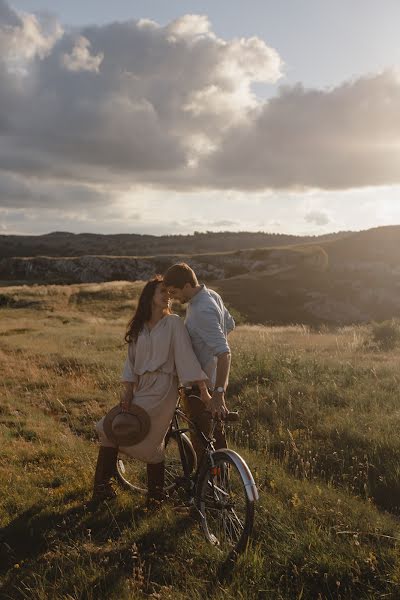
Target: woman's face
161	297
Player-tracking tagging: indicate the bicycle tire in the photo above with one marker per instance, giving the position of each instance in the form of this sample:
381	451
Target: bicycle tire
226	502
132	474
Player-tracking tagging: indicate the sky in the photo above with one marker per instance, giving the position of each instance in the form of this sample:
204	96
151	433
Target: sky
172	117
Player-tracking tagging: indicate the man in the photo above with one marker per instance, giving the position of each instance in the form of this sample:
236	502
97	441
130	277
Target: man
208	323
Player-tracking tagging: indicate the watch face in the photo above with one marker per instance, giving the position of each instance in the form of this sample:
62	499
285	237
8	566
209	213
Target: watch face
220	389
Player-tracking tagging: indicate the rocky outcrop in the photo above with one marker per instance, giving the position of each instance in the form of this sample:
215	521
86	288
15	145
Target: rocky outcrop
95	269
307	284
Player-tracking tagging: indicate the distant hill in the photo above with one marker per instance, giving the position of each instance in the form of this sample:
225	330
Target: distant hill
346	278
61	243
360	282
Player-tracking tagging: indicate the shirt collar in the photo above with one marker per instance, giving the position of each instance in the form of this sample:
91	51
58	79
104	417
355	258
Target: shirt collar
197	296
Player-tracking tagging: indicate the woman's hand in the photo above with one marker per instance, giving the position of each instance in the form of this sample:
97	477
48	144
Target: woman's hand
205	396
204	393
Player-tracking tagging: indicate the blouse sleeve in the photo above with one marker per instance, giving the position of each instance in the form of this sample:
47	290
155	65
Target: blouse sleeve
186	363
128	373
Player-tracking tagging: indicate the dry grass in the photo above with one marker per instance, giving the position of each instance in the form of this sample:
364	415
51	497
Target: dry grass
319	428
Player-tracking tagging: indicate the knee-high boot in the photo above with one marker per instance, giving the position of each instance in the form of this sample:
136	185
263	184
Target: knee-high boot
106	468
155	483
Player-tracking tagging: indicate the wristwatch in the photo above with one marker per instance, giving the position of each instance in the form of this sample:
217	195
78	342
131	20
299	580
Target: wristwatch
219	389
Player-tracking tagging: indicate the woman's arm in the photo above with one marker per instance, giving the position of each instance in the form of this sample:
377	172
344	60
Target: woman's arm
128	378
186	363
127	393
205	396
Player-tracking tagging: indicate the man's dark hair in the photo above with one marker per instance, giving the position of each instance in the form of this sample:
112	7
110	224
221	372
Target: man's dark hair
180	274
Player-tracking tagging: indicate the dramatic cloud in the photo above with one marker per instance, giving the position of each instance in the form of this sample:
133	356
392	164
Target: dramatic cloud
335	139
87	113
126	102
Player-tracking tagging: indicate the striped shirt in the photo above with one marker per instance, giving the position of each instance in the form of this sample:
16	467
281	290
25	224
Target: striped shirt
208	322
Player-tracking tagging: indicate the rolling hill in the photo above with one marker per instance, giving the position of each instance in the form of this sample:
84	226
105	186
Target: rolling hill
60	243
343	279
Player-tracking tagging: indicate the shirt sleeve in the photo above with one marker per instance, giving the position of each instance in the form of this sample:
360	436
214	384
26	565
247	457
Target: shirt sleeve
187	366
128	373
229	321
209	329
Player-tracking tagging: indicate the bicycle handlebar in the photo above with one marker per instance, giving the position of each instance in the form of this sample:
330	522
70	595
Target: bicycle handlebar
231	416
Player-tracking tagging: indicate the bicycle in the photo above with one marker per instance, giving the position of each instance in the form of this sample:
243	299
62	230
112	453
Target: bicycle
221	489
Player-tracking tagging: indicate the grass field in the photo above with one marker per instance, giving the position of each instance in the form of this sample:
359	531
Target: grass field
320	414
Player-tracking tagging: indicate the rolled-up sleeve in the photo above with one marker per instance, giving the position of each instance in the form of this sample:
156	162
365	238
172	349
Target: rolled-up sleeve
229	321
209	329
187	366
128	373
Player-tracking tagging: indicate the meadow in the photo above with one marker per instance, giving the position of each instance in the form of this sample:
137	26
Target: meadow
320	415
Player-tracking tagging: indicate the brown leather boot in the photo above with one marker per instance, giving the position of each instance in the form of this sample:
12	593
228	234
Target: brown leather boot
155	484
106	468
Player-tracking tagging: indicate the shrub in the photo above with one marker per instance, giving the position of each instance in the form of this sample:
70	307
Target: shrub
385	335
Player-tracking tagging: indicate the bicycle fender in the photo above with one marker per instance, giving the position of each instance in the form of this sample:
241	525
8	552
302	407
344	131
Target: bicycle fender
240	463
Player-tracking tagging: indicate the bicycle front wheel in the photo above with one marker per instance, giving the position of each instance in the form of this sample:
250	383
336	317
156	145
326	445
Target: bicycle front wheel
226	502
132	475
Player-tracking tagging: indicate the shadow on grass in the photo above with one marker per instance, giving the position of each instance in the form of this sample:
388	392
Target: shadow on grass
86	548
31	533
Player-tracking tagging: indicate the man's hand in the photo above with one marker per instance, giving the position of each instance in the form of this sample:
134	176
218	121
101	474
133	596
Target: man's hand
218	407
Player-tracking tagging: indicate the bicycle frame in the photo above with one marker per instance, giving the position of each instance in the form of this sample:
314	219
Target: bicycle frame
208	442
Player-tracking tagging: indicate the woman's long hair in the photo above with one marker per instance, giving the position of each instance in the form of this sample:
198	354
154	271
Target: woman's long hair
143	310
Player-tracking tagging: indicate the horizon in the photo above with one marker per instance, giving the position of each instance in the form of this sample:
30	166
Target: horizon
194	233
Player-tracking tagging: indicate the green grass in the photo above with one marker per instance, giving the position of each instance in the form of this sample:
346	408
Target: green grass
319	429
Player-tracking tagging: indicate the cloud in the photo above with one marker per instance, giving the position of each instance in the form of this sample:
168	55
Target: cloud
344	137
125	102
23	36
317	218
87	113
80	58
30	192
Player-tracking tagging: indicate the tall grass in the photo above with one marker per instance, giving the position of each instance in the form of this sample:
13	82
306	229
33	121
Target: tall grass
319	422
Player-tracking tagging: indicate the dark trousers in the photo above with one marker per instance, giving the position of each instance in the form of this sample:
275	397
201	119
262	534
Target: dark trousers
196	411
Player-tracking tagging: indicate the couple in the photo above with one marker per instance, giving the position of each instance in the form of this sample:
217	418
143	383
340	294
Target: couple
163	350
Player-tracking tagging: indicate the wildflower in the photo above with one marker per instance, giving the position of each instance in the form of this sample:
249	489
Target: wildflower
295	501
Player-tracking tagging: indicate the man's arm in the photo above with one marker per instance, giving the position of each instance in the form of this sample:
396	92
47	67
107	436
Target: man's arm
218	407
209	329
229	321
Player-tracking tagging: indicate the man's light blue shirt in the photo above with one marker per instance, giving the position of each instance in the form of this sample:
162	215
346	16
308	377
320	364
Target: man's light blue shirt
208	322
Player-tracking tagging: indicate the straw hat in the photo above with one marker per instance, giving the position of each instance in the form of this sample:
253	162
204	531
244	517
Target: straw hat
126	427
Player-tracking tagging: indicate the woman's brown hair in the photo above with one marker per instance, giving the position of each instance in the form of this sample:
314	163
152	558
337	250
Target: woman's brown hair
143	310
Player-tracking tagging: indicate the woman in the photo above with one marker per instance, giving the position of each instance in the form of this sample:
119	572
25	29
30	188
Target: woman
159	354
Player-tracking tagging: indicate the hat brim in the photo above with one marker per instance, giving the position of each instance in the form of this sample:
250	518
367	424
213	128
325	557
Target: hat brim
132	438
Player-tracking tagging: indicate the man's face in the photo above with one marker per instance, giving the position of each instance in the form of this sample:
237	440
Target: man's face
178	294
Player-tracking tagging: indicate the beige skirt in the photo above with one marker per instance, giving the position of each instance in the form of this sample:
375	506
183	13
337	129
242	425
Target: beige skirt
157	393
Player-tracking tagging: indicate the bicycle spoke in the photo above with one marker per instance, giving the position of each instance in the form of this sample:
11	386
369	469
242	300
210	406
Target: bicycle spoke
131	473
227	514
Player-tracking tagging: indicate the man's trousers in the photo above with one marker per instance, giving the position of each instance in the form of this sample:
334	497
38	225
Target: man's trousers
197	412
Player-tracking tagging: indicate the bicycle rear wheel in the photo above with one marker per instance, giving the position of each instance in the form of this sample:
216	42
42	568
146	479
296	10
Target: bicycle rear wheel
132	475
225	497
